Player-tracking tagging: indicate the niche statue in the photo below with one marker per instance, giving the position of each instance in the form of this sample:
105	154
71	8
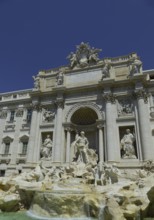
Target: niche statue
46	149
127	145
83	153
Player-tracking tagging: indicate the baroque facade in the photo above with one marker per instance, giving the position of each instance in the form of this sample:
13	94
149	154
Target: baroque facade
110	99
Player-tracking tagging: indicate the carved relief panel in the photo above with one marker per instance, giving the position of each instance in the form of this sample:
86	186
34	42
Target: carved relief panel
48	115
124	107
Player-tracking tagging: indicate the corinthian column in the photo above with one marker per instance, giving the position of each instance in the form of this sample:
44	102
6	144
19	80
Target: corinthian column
58	132
101	145
144	124
68	143
112	147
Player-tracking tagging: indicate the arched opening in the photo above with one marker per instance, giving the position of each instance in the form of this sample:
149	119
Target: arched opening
84	119
84	116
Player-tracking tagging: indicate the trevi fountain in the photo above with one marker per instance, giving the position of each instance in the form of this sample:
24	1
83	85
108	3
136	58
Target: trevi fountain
79	145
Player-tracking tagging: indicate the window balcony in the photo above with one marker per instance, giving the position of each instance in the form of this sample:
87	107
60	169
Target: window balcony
21	158
152	111
5	158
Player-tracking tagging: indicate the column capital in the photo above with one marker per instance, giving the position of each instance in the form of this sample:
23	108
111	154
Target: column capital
141	94
109	97
68	129
36	107
99	124
59	103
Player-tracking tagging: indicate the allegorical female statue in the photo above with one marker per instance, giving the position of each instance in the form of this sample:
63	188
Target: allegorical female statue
127	145
46	149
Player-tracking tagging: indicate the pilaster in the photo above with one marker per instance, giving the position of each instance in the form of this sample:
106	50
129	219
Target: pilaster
58	131
31	158
113	151
101	142
68	143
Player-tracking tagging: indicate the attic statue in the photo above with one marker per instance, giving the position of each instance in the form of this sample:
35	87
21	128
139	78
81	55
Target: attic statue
136	65
106	70
60	78
36	82
84	56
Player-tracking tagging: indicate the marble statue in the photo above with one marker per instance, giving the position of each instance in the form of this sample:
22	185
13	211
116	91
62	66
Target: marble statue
127	145
48	116
34	175
73	59
83	155
36	82
106	70
93	57
81	144
136	65
84	56
46	150
60	78
149	166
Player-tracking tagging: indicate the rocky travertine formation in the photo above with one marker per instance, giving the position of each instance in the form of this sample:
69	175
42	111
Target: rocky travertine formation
99	191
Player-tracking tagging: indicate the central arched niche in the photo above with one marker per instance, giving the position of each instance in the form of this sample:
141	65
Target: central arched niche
84	119
84	116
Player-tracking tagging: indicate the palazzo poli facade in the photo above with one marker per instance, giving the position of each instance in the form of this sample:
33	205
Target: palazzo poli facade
110	99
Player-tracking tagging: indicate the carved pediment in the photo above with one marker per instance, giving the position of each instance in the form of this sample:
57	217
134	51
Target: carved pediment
7	139
24	137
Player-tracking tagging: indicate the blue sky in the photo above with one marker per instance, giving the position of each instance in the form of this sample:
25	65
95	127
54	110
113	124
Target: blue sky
39	34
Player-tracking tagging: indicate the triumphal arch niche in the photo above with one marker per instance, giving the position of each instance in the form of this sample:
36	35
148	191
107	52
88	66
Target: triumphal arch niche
109	99
87	117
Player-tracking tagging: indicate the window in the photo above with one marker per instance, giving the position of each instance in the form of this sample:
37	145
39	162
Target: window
14	96
29	115
24	147
151	77
2	172
12	115
7	148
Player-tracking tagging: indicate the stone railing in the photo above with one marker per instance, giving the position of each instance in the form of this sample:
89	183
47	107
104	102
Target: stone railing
21	158
121	58
5	158
14	96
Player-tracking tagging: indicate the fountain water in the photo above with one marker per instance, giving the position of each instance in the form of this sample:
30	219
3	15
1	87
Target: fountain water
66	204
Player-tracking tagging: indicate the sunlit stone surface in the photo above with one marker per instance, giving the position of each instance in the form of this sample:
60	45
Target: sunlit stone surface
80	143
